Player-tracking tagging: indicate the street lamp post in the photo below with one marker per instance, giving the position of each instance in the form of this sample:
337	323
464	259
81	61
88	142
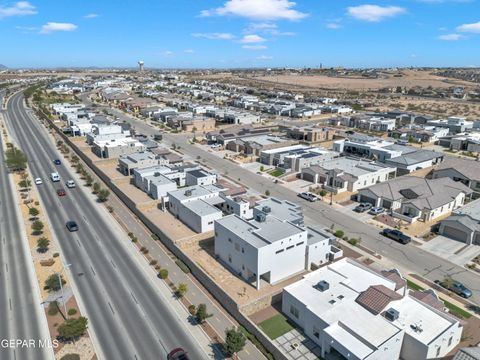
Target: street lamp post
61	288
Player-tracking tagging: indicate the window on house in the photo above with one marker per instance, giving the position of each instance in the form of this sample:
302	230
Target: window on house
300	243
316	332
290	247
438	351
450	340
229	240
278	251
229	258
210	222
243	250
294	311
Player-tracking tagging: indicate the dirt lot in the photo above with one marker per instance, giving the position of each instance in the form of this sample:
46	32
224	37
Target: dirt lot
410	78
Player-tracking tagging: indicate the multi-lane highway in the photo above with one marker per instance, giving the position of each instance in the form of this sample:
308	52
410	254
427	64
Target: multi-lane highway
21	314
129	317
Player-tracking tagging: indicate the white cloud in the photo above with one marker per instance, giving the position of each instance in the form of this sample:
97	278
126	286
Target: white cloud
450	37
266	28
91	16
214	36
255	9
265	57
167	53
333	25
254	47
253	38
54	26
26	28
20	8
189	51
472	28
374	13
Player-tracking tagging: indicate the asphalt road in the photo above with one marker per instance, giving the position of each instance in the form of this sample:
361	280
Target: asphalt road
129	317
21	315
407	258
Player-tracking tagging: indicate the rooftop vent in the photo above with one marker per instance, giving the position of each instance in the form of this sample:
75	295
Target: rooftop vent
261	217
322	286
188	193
392	314
266	209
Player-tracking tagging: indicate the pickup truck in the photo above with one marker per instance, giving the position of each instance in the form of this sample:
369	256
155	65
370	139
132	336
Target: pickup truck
396	235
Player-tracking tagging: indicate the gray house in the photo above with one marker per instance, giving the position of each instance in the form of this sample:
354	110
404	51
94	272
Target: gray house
464	224
462	170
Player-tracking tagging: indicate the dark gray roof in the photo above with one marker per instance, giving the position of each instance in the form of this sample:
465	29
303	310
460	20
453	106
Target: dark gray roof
470	353
414	157
468	168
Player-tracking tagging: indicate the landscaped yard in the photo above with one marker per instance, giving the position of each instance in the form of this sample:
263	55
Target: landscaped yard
457	311
414	286
275	326
276	172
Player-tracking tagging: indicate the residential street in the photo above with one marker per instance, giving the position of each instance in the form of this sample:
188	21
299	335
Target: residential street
409	259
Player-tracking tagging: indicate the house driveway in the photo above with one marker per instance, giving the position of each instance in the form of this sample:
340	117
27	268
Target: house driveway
455	251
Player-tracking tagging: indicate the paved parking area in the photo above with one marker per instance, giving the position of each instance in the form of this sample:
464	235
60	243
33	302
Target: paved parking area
446	248
348	210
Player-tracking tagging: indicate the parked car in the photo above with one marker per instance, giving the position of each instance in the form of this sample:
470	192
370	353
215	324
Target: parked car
57	162
177	354
376	210
308	196
362	207
215	146
70	184
38	181
55	177
61	192
457	287
396	235
401	142
72	226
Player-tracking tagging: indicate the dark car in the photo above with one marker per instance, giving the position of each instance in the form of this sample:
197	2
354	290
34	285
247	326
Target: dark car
57	162
360	208
456	287
72	226
177	354
61	192
396	235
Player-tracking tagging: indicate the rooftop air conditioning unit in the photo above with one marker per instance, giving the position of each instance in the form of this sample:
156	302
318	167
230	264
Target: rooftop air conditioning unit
392	314
261	217
266	209
322	286
188	193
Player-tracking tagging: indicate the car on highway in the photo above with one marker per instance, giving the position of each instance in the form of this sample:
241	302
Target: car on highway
177	354
362	207
396	235
38	181
307	196
457	287
70	184
376	210
55	177
57	162
61	192
71	226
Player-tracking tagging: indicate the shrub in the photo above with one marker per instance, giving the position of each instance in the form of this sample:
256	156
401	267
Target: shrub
130	234
181	290
110	209
153	262
322	193
201	315
163	274
53	308
234	342
53	282
267	192
182	266
353	241
155	237
70	357
56	255
71	312
48	262
192	309
339	233
33	212
73	328
42	245
37	226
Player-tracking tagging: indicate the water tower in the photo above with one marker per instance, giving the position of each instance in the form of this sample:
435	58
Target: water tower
140	65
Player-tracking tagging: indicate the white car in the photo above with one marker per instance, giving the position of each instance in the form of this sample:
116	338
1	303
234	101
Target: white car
70	184
55	177
38	181
307	196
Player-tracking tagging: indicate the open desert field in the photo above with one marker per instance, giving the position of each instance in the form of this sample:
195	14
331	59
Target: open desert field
408	78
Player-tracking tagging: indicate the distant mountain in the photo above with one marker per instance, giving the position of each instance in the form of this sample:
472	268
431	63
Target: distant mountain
3	67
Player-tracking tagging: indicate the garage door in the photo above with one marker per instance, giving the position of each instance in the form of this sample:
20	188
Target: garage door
456	234
308	177
476	239
367	199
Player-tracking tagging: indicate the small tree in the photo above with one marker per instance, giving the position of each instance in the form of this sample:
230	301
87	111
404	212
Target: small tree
15	159
53	282
33	212
323	192
88	180
42	245
163	274
25	183
37	227
202	313
103	195
96	188
267	192
182	289
262	168
53	308
73	328
339	233
234	342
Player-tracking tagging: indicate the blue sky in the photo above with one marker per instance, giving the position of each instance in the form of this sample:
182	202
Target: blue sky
239	33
